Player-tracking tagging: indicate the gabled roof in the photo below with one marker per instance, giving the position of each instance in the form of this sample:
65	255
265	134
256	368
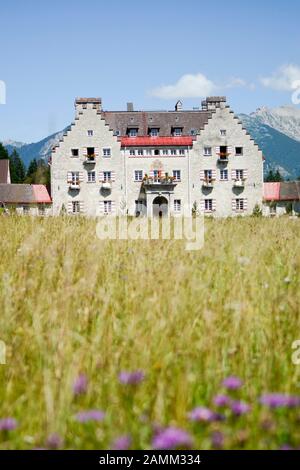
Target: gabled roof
189	121
271	191
24	194
283	191
4	171
155	141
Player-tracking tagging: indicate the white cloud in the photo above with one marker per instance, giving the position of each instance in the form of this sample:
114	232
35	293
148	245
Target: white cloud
195	86
188	86
284	79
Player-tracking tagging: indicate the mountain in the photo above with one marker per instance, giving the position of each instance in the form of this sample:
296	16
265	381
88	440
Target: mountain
276	131
38	150
285	119
280	150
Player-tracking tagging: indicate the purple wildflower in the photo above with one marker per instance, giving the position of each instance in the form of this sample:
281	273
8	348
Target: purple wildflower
202	414
217	440
240	408
131	378
8	424
54	441
90	415
80	385
121	443
232	383
222	400
172	438
279	400
286	447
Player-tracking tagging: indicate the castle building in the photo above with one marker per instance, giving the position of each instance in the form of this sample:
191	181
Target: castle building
156	162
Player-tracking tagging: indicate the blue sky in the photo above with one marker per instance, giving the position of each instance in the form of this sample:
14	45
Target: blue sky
139	51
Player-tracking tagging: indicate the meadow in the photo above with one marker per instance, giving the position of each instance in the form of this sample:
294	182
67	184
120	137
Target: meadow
142	344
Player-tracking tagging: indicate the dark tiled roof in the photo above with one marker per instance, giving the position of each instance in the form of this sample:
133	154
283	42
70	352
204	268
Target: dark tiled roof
164	120
88	100
289	191
4	171
23	194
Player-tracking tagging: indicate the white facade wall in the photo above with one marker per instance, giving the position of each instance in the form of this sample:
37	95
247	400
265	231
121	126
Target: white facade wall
223	192
125	191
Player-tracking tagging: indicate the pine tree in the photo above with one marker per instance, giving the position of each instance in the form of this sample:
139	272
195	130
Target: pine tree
32	168
3	153
17	168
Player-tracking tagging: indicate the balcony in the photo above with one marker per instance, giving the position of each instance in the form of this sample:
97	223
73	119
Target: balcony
75	185
239	183
159	180
106	185
90	159
208	183
223	157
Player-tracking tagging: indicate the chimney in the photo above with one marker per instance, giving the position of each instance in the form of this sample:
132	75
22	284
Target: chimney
129	106
178	106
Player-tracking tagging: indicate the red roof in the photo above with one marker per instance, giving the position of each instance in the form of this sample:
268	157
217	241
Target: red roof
271	191
155	141
41	194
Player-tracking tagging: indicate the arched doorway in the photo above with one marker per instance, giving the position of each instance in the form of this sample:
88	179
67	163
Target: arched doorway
160	207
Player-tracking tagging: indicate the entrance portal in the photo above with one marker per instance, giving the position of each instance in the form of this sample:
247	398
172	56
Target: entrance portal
160	207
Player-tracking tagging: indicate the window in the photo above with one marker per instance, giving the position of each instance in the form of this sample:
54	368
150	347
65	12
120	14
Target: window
156	174
173	152
208	175
91	176
154	132
106	152
41	209
74	177
140	152
176	175
26	209
132	152
239	151
177	131
223	132
224	175
90	133
107	176
239	174
74	152
156	151
117	133
133	132
90	151
239	204
107	207
140	207
177	205
165	152
181	152
208	205
138	175
207	151
149	152
193	132
75	207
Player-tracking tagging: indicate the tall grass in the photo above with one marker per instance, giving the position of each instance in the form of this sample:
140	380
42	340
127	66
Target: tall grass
72	304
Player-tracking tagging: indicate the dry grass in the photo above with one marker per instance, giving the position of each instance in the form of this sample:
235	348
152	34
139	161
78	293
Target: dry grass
71	303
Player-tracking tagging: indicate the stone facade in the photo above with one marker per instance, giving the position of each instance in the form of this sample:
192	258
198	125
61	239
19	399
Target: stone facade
156	162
